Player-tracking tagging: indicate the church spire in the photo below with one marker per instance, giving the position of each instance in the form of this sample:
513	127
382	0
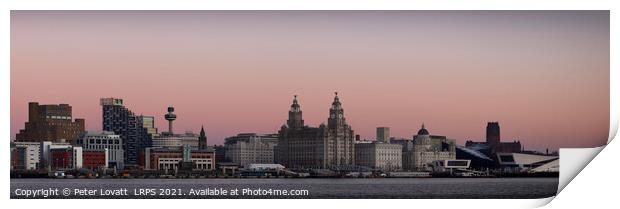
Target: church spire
202	139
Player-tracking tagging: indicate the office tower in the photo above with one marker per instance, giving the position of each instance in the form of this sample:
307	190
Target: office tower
120	120
50	123
251	148
383	134
330	146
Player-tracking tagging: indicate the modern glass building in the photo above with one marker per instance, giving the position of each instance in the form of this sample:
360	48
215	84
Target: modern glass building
129	126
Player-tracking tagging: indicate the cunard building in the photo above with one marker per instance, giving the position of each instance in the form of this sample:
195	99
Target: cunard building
328	146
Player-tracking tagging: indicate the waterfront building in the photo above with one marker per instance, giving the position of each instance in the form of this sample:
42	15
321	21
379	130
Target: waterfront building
424	149
264	167
450	165
520	162
328	146
46	146
50	123
99	140
95	158
130	127
379	155
25	155
493	143
169	158
479	160
55	156
383	134
66	158
251	148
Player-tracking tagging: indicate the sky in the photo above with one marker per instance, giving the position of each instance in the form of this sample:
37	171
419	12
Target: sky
543	75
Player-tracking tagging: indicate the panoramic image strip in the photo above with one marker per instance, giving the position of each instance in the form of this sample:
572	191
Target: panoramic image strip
251	104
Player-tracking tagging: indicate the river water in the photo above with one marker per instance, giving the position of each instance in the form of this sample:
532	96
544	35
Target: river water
347	188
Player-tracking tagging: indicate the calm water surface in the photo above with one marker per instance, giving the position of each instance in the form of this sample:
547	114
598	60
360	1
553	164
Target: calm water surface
317	188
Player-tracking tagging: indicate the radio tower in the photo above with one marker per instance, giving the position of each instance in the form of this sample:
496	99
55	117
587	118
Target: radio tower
170	117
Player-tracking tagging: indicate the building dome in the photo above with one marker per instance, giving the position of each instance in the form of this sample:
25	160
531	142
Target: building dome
423	131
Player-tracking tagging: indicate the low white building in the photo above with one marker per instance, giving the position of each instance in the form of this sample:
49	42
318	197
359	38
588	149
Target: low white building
521	162
172	163
445	165
264	167
379	155
26	155
250	148
100	140
553	166
168	158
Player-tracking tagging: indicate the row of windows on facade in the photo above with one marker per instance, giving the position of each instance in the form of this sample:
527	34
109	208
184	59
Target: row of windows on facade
58	117
174	156
250	154
163	166
111	147
196	160
61	123
99	141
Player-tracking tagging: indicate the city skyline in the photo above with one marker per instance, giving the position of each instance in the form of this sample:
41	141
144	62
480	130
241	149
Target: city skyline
543	75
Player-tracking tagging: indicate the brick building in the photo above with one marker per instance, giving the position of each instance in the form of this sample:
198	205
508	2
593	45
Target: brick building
95	159
50	123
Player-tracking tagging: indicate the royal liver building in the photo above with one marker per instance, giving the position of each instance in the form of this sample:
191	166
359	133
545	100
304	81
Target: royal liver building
330	146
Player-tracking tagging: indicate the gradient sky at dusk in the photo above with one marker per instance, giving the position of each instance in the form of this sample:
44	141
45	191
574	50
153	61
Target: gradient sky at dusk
544	75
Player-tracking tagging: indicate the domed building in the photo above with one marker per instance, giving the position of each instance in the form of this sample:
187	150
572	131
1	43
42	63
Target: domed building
424	149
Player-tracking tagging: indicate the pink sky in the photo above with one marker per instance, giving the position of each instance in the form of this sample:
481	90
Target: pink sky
544	75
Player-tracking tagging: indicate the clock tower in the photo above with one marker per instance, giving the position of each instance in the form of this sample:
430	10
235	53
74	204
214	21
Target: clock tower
336	114
295	120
